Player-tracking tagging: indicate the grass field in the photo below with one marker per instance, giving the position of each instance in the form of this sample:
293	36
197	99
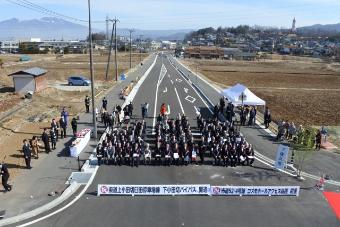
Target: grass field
302	90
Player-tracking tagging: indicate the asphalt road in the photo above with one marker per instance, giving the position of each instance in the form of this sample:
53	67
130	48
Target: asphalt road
309	209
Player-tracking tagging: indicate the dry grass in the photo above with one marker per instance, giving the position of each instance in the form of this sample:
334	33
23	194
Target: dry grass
60	69
302	90
305	87
48	103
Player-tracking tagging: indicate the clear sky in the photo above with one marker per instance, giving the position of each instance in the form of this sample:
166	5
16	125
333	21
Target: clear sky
187	14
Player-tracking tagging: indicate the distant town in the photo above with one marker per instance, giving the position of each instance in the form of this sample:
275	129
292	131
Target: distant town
239	43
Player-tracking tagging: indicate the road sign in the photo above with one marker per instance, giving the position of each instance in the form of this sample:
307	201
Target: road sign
281	156
122	77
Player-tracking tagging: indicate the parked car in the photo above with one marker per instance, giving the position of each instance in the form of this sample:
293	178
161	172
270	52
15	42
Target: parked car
78	81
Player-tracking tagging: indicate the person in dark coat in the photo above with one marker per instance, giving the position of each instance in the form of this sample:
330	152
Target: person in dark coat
65	115
46	140
252	115
130	109
222	104
104	103
318	138
216	110
99	153
87	103
267	117
63	126
53	138
5	176
56	127
74	125
27	153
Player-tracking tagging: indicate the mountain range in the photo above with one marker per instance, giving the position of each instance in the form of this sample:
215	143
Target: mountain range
56	28
326	27
320	29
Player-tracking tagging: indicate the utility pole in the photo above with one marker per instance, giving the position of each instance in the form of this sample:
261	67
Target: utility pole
130	49
107	27
92	77
110	49
140	48
116	64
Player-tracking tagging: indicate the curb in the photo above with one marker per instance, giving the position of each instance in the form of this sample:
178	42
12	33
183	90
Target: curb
64	196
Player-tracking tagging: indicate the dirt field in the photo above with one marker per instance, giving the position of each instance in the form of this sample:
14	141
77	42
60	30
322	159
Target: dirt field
302	90
47	104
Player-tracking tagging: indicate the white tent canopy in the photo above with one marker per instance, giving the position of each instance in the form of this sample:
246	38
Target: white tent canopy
234	95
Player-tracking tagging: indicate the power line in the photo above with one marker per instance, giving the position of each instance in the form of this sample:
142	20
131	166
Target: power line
37	8
50	11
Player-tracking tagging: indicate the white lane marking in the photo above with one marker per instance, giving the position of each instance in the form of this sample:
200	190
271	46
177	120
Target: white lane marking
215	176
178	80
270	165
186	90
195	91
168	110
172	82
169	75
68	205
155	106
179	100
190	99
165	90
162	74
198	111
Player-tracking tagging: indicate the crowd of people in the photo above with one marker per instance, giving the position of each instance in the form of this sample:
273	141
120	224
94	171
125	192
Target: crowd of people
175	143
288	131
124	146
224	143
247	114
49	137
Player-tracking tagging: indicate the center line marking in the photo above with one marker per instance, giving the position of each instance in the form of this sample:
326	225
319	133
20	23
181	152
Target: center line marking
179	100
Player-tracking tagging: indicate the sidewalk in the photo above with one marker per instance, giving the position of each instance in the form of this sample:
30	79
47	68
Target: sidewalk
50	172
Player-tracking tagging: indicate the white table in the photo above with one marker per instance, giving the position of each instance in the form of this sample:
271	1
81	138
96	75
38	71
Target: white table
77	149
